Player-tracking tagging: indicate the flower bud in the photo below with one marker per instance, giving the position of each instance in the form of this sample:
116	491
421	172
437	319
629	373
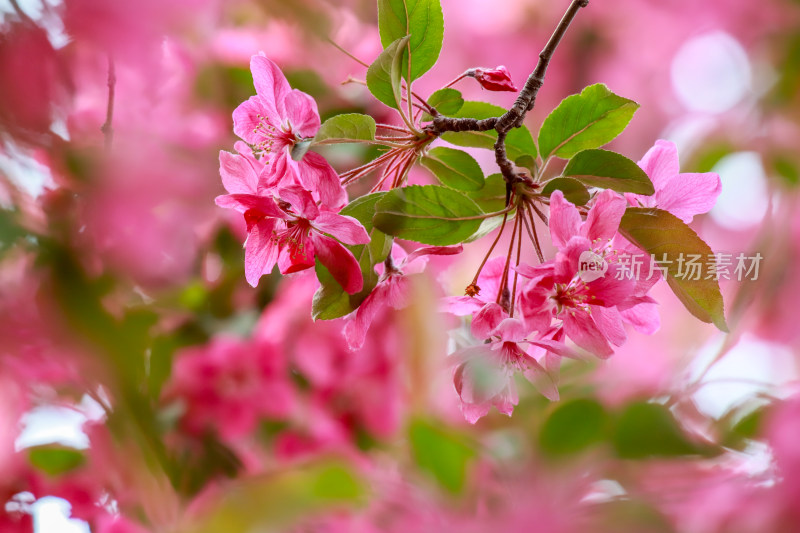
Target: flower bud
493	79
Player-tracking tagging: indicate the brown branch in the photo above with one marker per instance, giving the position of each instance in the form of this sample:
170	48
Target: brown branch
525	100
106	128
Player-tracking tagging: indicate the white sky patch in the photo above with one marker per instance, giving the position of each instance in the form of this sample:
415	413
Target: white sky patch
711	73
744	200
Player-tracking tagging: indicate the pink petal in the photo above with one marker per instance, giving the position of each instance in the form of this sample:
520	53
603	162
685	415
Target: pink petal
486	320
238	173
579	326
511	330
541	379
433	250
347	229
301	110
317	175
686	195
297	256
609	322
339	261
246	121
564	219
643	317
251	202
556	347
302	202
604	217
661	162
391	293
261	251
270	84
461	305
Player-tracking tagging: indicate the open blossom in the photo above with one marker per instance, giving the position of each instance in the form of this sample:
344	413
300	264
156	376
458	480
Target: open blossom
589	309
292	231
682	194
392	289
484	375
274	121
493	79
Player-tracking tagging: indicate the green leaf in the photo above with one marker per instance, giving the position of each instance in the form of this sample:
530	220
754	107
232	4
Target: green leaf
586	120
492	197
574	191
383	75
666	237
519	141
346	127
573	426
330	300
420	19
441	452
428	214
447	101
454	168
54	459
609	170
527	161
649	430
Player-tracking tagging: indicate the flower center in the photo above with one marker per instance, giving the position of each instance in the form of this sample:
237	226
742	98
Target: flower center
274	137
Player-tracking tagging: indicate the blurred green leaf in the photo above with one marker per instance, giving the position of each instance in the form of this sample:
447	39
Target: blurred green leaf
55	460
441	452
586	120
454	168
573	426
646	430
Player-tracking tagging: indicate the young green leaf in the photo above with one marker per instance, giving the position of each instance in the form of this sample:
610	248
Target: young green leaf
609	170
330	300
428	214
574	191
423	21
440	452
447	101
670	241
519	141
348	127
454	168
383	75
54	459
586	120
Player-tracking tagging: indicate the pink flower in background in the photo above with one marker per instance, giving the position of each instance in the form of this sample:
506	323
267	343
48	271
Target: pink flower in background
274	121
493	79
684	195
292	233
392	289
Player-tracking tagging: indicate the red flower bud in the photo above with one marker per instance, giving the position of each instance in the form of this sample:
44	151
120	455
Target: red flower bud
493	79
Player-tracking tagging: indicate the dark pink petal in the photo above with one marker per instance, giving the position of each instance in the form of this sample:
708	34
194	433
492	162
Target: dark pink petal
261	250
303	204
493	79
347	229
608	291
604	217
486	320
565	221
432	250
276	174
579	326
246	120
251	202
301	110
317	175
686	195
271	86
339	261
609	322
238	173
660	163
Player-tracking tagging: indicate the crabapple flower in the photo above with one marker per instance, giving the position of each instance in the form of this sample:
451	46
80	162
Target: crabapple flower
484	375
292	231
682	194
589	310
392	289
274	121
493	79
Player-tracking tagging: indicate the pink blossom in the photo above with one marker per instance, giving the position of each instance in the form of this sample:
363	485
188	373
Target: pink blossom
493	79
292	232
392	289
274	121
684	195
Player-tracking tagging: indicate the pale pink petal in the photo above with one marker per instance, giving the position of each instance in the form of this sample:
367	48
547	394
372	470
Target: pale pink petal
604	217
246	120
238	173
556	347
433	250
461	305
355	331
579	326
609	322
270	84
261	250
661	163
347	229
301	110
511	330
565	220
317	175
251	202
643	317
541	379
686	195
486	320
339	261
